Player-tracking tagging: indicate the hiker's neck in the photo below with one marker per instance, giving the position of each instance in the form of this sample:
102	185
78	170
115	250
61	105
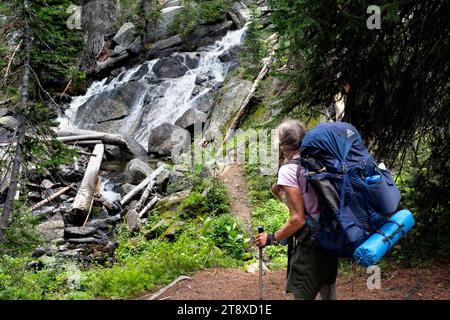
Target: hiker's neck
289	155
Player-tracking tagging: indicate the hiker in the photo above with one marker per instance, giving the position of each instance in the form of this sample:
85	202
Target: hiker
310	270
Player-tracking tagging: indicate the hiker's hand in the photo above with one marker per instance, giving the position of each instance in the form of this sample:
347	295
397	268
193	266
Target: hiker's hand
260	240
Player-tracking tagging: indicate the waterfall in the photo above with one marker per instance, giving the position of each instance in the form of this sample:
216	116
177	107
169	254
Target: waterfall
155	101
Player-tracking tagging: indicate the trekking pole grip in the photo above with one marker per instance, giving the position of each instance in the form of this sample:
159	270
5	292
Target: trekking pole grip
260	229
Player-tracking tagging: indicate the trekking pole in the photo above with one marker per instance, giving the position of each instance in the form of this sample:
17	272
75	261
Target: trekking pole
260	230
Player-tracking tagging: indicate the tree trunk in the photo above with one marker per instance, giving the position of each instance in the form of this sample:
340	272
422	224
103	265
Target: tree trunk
15	172
129	143
149	187
148	206
243	109
85	196
52	197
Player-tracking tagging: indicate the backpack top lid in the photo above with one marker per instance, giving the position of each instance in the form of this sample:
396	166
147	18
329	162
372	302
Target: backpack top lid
336	144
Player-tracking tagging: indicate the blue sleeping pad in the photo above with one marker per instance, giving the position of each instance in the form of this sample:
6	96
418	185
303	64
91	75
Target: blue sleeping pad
374	248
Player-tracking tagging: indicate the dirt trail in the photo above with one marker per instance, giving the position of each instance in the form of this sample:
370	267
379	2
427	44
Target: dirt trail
234	180
233	284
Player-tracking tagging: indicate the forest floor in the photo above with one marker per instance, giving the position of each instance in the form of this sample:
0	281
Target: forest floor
431	282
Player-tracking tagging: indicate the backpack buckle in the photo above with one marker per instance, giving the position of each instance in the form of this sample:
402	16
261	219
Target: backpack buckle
362	164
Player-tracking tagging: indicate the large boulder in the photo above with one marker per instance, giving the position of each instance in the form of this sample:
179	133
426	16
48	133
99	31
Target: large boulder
190	117
8	125
53	228
108	110
229	100
126	34
168	139
165	47
136	171
170	67
167	17
231	57
204	34
204	102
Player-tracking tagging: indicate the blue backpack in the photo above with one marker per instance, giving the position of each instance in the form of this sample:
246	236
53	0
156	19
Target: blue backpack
356	194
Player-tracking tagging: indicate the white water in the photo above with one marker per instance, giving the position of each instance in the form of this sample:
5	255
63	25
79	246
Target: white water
152	108
106	190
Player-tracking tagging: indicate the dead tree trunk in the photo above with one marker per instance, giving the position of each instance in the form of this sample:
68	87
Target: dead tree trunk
77	136
16	162
243	109
83	201
149	187
49	199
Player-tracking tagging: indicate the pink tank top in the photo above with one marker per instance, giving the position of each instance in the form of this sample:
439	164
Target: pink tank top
287	176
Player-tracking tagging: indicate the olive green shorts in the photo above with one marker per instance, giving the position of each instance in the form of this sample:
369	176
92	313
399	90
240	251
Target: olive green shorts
310	269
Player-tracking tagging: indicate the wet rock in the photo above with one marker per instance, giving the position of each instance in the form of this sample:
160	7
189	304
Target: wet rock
207	33
78	231
125	35
126	188
231	97
108	110
232	56
196	91
204	102
200	79
168	139
53	228
234	17
44	211
140	73
192	60
170	67
136	171
190	117
165	47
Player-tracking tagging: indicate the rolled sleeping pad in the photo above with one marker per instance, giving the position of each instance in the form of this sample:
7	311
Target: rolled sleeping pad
374	248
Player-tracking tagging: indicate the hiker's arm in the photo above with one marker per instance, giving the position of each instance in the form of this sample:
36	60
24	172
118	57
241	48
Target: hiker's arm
294	201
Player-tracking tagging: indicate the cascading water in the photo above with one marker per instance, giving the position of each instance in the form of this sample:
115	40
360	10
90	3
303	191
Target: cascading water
146	101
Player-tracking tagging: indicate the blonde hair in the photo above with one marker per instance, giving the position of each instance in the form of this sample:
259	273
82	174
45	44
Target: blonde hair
290	134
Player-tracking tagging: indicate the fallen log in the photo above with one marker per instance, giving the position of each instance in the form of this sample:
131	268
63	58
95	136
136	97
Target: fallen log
84	143
243	109
79	135
136	189
148	206
149	187
51	198
85	196
160	292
